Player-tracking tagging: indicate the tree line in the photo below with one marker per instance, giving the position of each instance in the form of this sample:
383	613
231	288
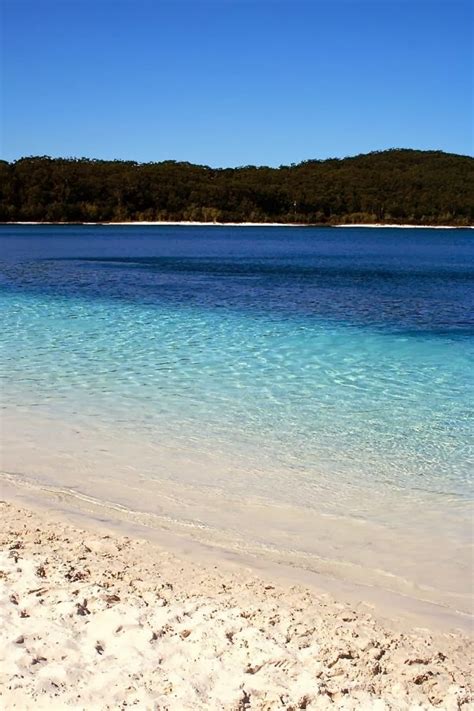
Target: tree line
394	186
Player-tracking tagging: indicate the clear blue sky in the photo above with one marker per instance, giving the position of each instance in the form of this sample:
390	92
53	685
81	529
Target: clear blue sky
235	82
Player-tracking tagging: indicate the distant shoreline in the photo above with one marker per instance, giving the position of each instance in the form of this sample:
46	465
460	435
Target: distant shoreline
185	223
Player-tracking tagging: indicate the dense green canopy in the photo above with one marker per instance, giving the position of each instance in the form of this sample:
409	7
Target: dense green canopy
395	186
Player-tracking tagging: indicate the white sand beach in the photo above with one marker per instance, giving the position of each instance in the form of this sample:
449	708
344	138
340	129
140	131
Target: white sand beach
187	223
410	227
94	620
169	223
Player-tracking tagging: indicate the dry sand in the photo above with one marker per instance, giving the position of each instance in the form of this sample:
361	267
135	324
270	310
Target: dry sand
97	621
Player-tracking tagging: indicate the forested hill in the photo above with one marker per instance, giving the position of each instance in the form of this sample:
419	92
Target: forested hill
394	186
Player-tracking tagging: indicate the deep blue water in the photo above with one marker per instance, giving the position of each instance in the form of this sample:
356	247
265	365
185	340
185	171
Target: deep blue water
394	280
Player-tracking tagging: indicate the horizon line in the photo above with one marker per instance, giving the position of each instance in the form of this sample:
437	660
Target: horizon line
234	167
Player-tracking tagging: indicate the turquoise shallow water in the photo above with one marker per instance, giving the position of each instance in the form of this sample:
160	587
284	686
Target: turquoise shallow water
323	369
388	407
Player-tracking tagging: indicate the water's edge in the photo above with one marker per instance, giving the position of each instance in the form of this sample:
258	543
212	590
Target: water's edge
398	610
92	476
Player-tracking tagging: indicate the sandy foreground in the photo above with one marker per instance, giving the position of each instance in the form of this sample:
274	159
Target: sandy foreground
90	620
